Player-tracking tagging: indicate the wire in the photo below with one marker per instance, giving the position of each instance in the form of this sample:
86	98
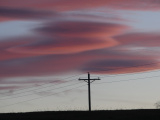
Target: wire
81	74
129	74
128	80
33	90
40	97
44	86
60	83
76	83
41	91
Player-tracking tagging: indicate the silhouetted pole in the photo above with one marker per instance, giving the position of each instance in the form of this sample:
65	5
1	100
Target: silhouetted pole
89	92
89	81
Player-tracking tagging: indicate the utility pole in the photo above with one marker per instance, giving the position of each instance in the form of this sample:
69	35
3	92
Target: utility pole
89	81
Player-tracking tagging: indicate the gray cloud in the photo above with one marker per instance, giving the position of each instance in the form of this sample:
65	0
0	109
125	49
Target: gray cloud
120	65
20	13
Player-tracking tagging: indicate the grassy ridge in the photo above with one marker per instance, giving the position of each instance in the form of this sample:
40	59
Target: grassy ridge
85	115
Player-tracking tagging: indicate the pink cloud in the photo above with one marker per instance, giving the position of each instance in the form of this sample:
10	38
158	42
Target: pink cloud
85	61
51	50
37	66
12	42
119	66
45	9
8	13
61	46
83	4
140	39
68	37
82	28
67	46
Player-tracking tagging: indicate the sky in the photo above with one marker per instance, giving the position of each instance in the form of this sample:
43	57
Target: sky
47	45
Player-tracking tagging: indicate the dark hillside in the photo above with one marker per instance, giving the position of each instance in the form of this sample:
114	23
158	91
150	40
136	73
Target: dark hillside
85	115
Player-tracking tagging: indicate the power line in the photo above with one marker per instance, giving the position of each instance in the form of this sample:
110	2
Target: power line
129	74
103	82
44	86
83	73
50	82
40	97
33	93
32	90
128	79
61	83
74	88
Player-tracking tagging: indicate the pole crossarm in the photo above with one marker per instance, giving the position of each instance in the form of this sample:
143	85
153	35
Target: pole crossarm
89	81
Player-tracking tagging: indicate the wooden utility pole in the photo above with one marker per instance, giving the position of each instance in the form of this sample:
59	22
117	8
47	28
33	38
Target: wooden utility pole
89	81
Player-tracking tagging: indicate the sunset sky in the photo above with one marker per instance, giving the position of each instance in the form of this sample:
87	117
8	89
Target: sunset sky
47	45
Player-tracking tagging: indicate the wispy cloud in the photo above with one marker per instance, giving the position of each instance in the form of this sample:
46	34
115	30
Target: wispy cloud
76	4
70	40
69	37
81	44
119	66
141	39
21	13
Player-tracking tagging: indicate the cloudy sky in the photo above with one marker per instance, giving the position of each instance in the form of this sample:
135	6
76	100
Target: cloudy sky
46	45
